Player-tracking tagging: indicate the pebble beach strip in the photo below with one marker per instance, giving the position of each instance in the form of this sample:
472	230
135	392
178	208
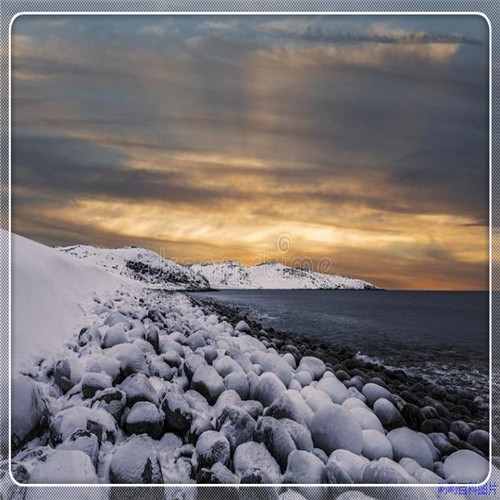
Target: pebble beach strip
165	389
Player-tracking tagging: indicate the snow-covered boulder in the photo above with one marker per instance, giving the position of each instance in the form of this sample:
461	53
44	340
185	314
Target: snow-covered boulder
85	441
178	415
291	405
376	445
352	463
334	428
304	468
238	382
315	398
65	467
242	326
315	366
212	447
300	434
366	419
113	400
372	392
93	382
269	388
99	362
386	471
135	461
303	377
276	437
28	409
252	456
465	466
388	414
145	418
332	386
95	420
137	387
208	382
131	358
274	363
408	443
236	425
116	334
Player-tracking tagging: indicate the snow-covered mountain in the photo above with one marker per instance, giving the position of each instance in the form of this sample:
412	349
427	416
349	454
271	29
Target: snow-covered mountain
140	264
273	275
147	266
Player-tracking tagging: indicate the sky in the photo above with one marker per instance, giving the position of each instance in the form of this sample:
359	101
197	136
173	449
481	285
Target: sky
354	145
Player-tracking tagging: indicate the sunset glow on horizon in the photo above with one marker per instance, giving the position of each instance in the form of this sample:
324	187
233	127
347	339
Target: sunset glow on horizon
360	140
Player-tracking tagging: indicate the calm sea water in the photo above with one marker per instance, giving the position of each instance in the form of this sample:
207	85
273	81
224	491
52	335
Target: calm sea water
433	331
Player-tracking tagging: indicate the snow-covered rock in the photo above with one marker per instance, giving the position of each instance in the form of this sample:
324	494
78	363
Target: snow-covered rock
208	382
334	428
65	467
212	447
93	382
408	443
137	387
387	413
334	388
269	388
145	418
366	419
376	445
386	471
465	466
316	367
252	456
304	468
352	463
29	409
372	392
135	461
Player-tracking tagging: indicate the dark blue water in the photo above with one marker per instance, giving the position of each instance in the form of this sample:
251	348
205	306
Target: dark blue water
446	330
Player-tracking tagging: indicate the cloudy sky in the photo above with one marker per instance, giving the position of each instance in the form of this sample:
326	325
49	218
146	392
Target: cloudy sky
355	144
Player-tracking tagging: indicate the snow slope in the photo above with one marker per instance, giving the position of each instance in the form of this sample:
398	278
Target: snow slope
52	294
140	264
273	275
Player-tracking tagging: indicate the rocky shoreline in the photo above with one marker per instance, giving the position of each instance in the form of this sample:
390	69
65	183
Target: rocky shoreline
164	388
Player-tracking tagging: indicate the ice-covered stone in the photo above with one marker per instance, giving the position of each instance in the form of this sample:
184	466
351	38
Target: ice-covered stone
315	399
465	466
242	326
212	447
131	358
276	437
93	382
116	318
208	382
269	388
352	463
113	400
332	386
300	434
366	419
217	474
65	467
28	410
236	425
304	377
226	365
291	405
376	445
135	461
137	387
315	366
116	334
95	420
145	418
386	471
408	443
304	468
372	392
101	362
178	415
85	441
252	456
237	381
274	363
334	428
388	414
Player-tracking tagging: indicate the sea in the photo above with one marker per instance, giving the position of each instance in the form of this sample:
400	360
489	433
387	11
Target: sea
442	336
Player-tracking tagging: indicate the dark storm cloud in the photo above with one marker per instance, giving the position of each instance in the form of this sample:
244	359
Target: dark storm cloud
261	114
64	169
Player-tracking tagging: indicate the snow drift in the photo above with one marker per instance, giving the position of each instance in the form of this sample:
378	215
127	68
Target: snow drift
52	294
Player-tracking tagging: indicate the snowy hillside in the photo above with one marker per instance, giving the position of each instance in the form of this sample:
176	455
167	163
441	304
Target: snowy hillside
52	294
140	264
273	275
